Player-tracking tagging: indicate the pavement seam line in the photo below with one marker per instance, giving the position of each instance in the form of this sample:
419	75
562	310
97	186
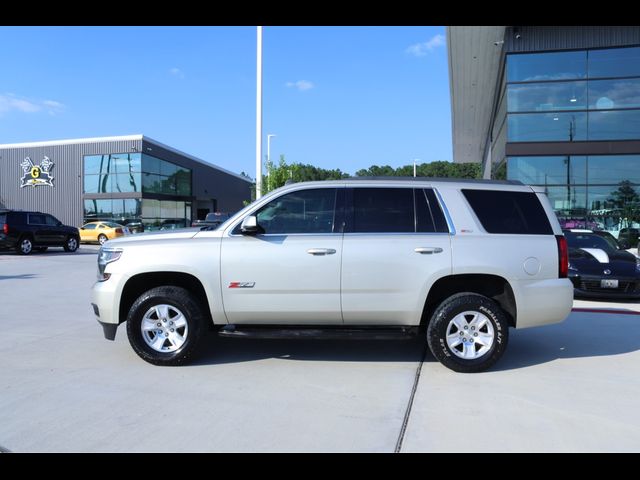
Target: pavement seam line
414	389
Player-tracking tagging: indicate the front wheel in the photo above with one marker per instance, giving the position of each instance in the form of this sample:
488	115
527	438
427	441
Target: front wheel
165	326
71	244
468	333
102	238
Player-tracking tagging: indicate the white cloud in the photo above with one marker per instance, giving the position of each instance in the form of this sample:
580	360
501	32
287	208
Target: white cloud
421	49
176	72
301	85
10	102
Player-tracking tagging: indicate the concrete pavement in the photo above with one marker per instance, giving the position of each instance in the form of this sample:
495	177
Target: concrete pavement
567	387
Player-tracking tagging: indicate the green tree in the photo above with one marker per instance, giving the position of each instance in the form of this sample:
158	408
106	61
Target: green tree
440	169
626	202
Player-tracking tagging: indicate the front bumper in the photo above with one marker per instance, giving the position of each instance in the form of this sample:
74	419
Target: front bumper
588	286
105	300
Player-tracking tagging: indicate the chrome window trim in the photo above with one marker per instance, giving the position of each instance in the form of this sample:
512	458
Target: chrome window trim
445	210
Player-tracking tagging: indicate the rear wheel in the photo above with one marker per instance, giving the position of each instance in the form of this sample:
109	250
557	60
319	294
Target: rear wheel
102	238
71	244
468	333
165	326
25	246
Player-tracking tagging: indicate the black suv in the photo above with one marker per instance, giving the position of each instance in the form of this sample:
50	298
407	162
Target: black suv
25	231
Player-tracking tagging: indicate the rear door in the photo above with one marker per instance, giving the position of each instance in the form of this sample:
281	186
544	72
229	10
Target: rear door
396	243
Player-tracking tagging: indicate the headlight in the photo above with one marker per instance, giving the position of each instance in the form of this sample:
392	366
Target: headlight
105	257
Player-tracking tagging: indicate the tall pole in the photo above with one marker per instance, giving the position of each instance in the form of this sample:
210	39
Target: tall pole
414	167
259	114
269	159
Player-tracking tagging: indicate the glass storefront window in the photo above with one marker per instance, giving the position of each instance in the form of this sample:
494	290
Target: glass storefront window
614	62
536	67
540	97
609	94
125	162
614	125
613	169
167	168
536	127
555	170
150	164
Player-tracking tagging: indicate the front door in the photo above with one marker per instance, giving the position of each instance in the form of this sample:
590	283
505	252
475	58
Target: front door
290	271
56	230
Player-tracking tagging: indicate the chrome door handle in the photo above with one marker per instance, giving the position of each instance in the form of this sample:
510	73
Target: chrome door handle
321	251
428	250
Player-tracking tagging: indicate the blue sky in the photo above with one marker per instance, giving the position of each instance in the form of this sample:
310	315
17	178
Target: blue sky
336	97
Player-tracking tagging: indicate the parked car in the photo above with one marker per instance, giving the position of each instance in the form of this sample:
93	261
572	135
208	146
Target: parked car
173	223
134	225
599	269
212	221
629	237
101	232
461	260
25	231
608	236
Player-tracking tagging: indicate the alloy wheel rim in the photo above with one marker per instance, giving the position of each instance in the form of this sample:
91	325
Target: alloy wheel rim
72	244
164	328
102	239
470	335
26	245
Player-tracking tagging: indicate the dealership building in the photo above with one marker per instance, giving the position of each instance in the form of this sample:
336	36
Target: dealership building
124	179
557	107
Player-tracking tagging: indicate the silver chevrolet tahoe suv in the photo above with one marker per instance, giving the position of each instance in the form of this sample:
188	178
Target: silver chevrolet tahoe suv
461	261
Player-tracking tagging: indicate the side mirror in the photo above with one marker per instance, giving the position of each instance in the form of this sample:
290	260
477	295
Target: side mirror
624	244
59	223
81	228
249	225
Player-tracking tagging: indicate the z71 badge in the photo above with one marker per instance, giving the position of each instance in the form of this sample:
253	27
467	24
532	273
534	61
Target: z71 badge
242	284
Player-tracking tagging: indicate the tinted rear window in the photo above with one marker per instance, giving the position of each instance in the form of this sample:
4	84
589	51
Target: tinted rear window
509	212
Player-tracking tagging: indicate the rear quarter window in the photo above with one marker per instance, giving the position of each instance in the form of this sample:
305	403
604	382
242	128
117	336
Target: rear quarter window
3	218
509	212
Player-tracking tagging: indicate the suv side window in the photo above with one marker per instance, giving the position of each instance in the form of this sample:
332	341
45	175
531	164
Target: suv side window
502	211
51	220
383	210
36	219
304	211
396	210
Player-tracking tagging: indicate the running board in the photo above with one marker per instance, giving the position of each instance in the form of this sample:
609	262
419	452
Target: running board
320	333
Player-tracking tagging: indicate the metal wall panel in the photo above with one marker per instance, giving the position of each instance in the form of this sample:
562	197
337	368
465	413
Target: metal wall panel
539	38
64	199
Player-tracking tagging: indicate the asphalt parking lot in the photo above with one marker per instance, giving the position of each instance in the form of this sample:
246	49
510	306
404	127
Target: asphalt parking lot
63	388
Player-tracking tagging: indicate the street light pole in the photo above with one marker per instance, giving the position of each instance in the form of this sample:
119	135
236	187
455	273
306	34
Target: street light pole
414	167
269	146
259	113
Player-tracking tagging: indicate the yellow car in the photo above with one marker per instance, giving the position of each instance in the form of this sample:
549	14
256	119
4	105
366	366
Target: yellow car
101	232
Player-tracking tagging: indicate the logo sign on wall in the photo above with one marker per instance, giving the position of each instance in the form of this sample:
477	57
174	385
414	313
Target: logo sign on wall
35	175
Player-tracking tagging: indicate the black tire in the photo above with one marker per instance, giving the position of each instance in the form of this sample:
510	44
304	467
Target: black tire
186	304
102	238
446	312
42	249
24	245
71	244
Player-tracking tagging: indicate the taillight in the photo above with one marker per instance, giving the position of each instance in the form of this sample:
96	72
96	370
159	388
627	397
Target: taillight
563	257
118	230
5	229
